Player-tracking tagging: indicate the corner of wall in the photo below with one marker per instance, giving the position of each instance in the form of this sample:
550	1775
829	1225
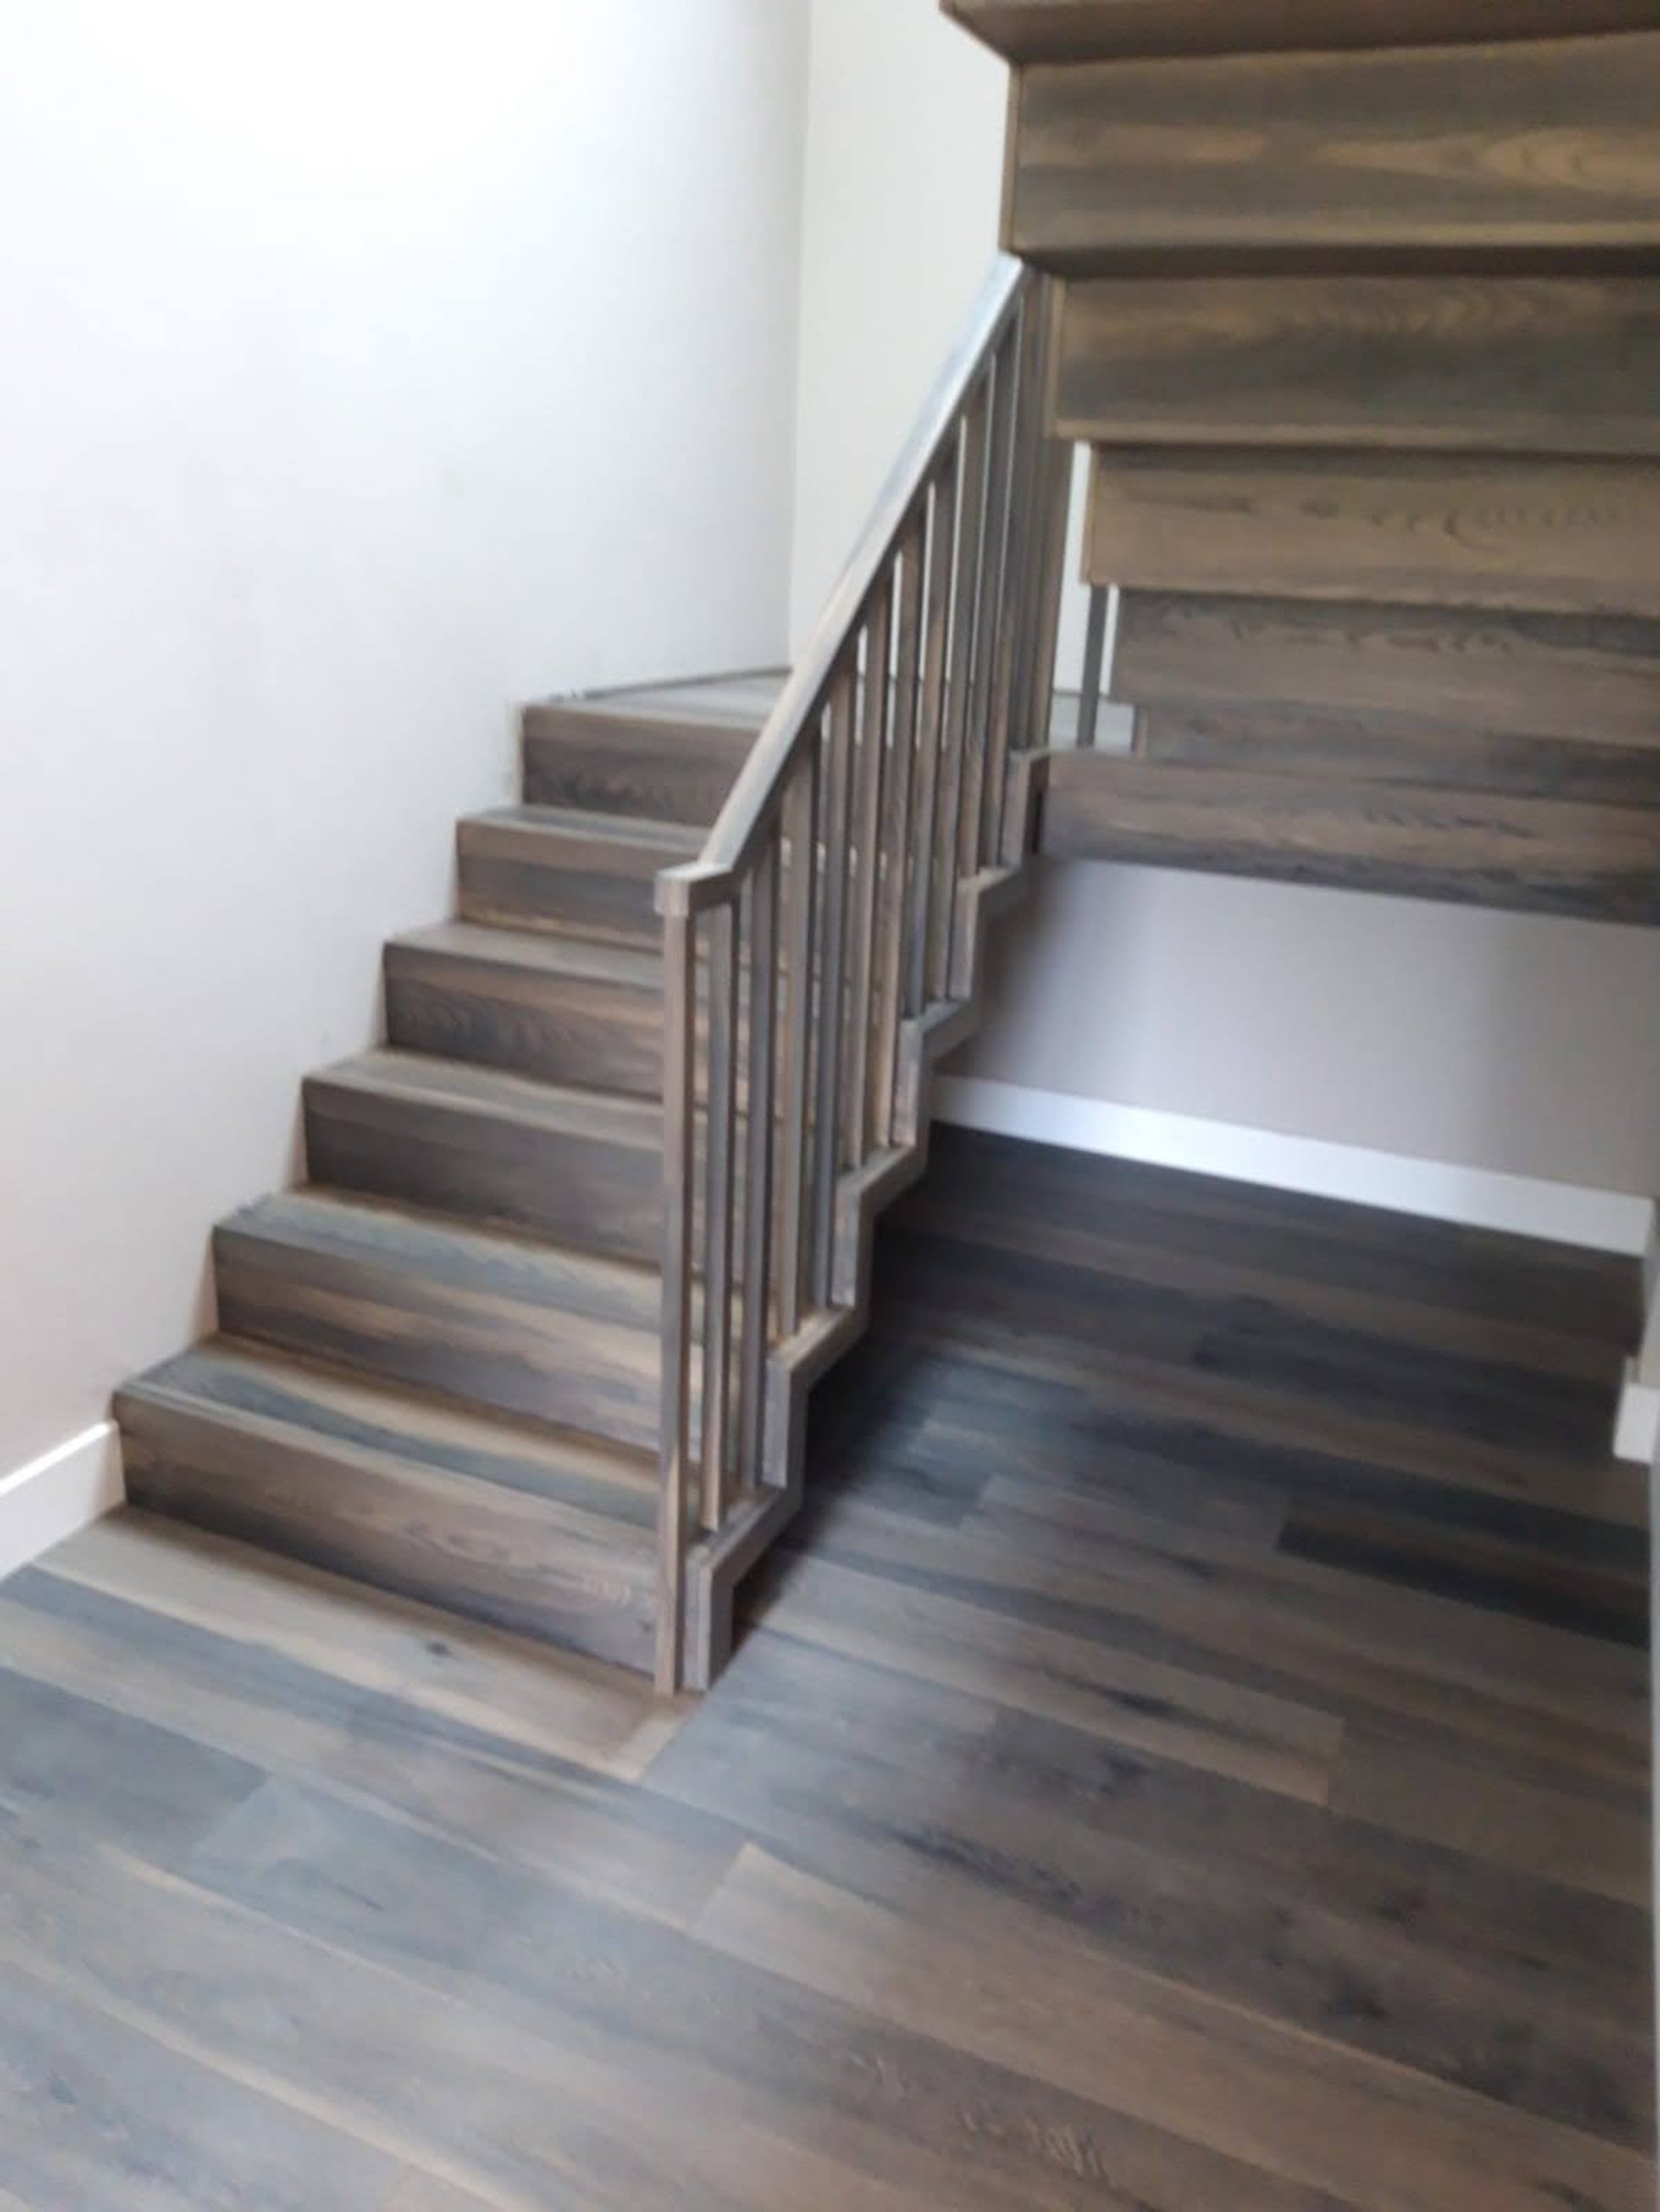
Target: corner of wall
64	1490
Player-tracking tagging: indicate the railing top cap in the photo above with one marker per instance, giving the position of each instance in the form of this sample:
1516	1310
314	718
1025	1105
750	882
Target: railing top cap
759	793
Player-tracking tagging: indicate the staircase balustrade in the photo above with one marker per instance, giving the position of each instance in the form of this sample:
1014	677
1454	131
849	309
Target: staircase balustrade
826	922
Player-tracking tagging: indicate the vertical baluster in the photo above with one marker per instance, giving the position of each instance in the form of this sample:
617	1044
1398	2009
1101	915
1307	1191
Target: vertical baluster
1095	650
867	856
1057	510
1030	482
800	948
680	1076
993	560
1014	607
832	947
942	550
891	934
759	1136
942	897
720	1144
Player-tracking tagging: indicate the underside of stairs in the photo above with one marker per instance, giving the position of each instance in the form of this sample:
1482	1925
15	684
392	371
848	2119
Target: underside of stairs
438	1365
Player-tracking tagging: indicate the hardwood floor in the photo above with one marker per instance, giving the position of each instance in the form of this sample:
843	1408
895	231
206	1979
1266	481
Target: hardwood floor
1192	1757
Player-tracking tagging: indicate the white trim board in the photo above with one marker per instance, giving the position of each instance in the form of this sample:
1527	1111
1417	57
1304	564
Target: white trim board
1478	1197
1637	1427
60	1492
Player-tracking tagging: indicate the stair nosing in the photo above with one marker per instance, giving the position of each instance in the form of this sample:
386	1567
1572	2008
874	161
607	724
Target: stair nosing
636	1476
554	953
279	1218
648	832
492	1093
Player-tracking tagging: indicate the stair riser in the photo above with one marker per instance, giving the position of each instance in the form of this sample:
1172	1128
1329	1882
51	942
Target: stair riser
488	1554
605	893
648	770
438	1332
601	1035
595	1195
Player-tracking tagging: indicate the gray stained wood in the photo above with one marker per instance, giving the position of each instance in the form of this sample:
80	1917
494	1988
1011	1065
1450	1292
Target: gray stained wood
1383	748
603	757
1507	364
1092	30
438	1368
1356	830
1558	536
1516	148
1107	1806
559	869
1579	679
562	1008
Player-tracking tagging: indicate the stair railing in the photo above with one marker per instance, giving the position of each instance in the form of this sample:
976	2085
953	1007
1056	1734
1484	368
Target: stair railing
825	915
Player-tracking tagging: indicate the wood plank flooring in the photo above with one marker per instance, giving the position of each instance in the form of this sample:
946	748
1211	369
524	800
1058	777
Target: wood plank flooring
1193	1757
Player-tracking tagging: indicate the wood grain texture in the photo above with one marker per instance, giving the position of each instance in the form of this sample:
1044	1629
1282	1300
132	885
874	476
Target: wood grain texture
1117	1798
583	1168
548	1540
1093	30
1546	146
545	867
1480	847
605	759
1580	679
555	1007
1375	748
1575	537
503	1324
1505	364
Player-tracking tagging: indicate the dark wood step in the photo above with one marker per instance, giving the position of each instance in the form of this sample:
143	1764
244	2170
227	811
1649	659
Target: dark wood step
1360	746
549	868
583	1167
1570	537
560	1008
1564	676
1545	855
1507	364
500	1323
1094	30
1541	147
548	1536
658	767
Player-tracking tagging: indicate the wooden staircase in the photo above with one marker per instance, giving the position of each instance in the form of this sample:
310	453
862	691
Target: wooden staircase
1360	318
438	1363
460	1364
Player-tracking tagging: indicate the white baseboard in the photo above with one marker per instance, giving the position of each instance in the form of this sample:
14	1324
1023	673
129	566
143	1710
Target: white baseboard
1478	1197
54	1495
1637	1430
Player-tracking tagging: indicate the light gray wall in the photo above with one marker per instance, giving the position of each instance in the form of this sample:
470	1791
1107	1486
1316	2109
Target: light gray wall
1487	1040
367	369
1513	1042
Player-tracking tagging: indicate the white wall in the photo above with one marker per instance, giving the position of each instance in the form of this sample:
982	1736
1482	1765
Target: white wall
1521	1044
368	368
1505	1042
905	172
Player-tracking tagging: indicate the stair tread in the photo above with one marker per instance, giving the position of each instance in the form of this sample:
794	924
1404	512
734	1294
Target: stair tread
679	840
585	958
1060	31
494	1263
604	1492
469	1085
740	704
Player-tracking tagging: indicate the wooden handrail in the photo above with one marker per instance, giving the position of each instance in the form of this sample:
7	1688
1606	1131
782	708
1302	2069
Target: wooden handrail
830	914
754	799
